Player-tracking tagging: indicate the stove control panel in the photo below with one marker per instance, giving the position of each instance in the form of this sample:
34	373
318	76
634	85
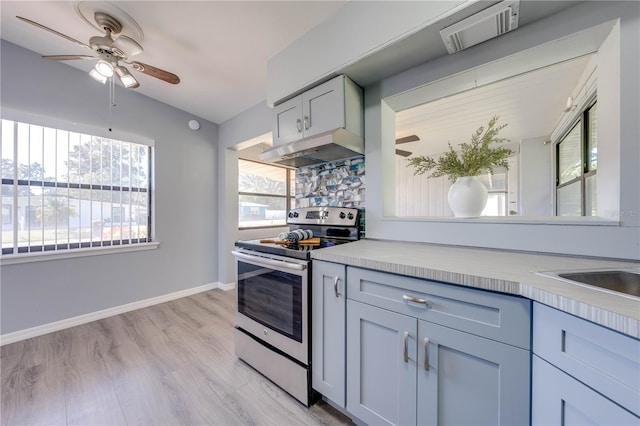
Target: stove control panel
341	216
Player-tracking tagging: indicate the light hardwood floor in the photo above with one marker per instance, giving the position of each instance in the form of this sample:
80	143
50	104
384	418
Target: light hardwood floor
168	364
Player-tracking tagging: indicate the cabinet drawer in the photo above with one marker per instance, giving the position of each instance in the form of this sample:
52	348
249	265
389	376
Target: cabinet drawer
603	359
559	399
492	315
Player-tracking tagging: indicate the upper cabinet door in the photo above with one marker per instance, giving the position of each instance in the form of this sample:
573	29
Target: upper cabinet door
323	107
287	121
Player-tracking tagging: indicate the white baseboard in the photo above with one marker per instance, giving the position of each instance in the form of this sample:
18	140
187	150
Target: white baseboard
16	336
227	287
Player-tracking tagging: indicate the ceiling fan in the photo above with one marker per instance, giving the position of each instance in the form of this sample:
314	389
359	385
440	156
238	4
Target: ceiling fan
406	139
109	52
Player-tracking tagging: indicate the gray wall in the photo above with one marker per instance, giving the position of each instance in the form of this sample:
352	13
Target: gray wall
185	198
617	239
247	125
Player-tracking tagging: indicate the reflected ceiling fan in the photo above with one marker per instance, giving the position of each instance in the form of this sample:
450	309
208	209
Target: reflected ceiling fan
406	139
109	52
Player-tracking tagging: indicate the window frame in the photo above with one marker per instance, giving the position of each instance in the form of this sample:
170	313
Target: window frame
582	120
45	251
289	198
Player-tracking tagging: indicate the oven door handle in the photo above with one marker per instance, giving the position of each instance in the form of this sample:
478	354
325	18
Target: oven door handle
269	262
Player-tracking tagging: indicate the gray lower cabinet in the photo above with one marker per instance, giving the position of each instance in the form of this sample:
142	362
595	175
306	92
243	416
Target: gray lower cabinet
559	399
469	380
404	371
381	365
428	353
583	373
328	345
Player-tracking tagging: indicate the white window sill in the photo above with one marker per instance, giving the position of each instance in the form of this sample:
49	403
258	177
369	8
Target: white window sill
12	259
509	220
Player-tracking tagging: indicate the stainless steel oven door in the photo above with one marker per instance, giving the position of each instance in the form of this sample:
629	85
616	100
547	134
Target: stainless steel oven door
271	301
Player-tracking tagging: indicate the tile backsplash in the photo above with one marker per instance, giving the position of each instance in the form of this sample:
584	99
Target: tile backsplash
336	183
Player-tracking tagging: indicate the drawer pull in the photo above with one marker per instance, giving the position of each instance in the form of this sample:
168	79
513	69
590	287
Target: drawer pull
406	346
426	354
335	285
412	299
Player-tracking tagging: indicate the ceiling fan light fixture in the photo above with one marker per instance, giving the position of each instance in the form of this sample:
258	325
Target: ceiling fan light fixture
104	68
97	76
126	78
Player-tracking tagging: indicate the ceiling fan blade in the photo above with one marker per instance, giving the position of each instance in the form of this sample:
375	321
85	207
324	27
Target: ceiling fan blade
403	153
155	72
71	39
411	138
125	47
67	57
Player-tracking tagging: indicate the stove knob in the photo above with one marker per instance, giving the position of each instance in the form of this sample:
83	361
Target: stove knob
350	216
342	215
295	214
290	214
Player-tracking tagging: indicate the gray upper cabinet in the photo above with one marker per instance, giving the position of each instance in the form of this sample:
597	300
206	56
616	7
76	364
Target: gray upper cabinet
328	331
337	103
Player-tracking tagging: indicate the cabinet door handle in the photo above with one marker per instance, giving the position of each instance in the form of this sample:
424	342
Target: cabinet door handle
335	285
299	125
306	122
406	347
426	353
412	299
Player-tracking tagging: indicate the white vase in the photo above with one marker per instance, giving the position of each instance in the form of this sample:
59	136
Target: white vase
467	197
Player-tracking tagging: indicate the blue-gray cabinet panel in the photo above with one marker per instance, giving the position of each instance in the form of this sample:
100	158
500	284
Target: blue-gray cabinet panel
559	399
381	385
287	121
328	330
323	107
495	316
605	360
470	380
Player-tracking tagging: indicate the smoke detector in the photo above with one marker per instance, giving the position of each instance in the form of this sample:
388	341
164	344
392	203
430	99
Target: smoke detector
484	25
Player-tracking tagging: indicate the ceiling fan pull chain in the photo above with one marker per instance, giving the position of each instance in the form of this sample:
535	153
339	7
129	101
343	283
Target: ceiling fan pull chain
112	100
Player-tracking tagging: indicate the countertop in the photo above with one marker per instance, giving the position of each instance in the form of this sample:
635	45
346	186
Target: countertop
498	270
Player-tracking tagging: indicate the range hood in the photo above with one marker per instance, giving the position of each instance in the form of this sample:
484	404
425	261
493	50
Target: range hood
328	146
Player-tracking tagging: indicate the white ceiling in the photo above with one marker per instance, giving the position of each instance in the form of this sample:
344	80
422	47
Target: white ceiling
530	104
219	49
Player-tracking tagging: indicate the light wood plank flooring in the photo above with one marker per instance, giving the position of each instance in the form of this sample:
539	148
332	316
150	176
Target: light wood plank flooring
169	364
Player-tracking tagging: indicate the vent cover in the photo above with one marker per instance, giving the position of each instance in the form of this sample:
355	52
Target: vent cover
484	25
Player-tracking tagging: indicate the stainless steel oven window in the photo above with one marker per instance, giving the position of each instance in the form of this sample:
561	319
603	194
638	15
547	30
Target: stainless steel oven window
272	298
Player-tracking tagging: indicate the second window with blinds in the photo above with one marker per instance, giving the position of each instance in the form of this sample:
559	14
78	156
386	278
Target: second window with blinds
265	194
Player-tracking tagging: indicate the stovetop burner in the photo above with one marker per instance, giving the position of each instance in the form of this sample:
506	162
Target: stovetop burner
333	225
297	251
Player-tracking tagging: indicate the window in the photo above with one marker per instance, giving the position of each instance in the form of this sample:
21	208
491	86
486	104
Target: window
266	193
69	190
576	167
496	185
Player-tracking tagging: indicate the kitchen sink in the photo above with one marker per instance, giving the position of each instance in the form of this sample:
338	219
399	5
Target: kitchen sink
625	281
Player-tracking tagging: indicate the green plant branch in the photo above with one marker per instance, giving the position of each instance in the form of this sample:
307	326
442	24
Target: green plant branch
472	159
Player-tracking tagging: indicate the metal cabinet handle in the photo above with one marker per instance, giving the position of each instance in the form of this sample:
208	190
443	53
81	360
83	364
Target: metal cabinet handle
335	285
306	122
412	299
426	353
406	346
299	125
